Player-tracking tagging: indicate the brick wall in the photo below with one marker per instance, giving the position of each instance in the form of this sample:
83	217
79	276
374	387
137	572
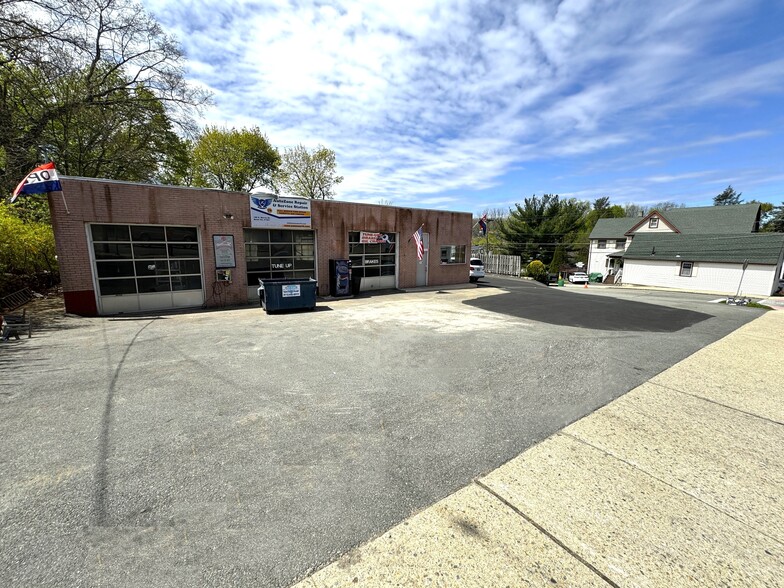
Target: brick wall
334	220
107	201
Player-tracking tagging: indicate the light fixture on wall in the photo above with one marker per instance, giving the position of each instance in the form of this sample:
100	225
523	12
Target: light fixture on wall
228	215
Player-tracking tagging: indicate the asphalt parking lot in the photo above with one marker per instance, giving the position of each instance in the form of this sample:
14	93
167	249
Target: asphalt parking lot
232	448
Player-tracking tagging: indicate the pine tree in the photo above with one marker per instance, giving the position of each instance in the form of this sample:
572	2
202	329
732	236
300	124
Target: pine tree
728	198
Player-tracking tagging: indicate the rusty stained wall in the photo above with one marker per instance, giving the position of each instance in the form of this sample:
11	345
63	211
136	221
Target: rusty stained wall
334	220
106	201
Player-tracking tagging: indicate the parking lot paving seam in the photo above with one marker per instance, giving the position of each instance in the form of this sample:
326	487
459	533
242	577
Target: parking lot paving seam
665	482
733	408
546	533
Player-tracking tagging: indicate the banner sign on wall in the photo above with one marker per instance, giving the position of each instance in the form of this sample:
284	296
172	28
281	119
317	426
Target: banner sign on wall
279	213
373	237
224	251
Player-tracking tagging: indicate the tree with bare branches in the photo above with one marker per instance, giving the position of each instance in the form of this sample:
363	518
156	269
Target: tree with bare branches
71	69
308	173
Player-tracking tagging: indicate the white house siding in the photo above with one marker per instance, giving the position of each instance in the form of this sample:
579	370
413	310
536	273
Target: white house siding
597	261
662	228
706	276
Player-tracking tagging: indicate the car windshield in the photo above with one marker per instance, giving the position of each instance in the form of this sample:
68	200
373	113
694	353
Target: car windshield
476	262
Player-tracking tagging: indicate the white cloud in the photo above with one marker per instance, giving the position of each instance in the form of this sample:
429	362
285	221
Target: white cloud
432	96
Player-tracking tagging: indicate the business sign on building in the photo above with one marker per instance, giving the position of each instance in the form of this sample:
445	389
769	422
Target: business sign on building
267	212
365	237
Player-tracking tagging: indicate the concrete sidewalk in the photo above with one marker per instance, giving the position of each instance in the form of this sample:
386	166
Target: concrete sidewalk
678	483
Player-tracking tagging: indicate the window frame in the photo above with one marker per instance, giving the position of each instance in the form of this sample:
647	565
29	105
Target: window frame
278	253
458	258
653	222
105	284
683	268
601	243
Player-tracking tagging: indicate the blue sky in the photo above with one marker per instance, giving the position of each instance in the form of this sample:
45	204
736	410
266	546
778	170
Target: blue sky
470	104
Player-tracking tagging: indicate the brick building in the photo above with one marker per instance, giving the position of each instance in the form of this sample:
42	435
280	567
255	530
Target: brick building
126	247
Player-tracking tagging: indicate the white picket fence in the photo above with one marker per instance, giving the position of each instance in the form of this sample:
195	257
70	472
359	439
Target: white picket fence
507	265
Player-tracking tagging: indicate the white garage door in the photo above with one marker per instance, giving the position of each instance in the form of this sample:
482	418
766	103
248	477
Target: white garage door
146	267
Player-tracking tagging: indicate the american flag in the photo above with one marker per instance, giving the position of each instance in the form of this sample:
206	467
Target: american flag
420	243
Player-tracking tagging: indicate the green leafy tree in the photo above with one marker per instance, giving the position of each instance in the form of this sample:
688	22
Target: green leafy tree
534	230
308	173
775	220
130	139
602	208
67	68
728	197
230	159
559	259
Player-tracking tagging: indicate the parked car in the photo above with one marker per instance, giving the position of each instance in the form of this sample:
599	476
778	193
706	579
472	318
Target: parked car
578	278
477	270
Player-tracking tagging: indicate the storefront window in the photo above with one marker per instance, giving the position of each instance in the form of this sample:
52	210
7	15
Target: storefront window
279	254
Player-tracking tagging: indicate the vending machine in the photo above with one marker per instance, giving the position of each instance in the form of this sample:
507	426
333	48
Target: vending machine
340	277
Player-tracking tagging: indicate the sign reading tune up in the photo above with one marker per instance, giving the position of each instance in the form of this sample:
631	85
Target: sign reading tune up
278	212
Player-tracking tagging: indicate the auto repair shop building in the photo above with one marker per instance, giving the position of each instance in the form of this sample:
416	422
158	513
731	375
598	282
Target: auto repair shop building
129	247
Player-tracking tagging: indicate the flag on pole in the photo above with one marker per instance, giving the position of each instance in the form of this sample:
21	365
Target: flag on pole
483	224
41	179
419	240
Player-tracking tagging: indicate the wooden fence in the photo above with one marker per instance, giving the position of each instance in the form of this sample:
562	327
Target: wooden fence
507	265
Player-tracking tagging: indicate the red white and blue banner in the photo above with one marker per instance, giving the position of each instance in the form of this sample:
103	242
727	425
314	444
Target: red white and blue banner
42	179
483	224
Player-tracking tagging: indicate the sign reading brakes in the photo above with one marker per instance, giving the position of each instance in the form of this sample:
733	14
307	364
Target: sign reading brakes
279	213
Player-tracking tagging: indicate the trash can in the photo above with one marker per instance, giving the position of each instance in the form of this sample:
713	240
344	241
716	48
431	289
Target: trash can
560	282
287	293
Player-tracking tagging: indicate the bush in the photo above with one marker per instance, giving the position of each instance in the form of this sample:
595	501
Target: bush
537	271
27	253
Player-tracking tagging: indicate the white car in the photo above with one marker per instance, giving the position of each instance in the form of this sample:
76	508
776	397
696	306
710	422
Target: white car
578	278
476	271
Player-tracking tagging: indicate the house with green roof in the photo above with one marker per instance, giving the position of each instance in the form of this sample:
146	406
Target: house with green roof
707	249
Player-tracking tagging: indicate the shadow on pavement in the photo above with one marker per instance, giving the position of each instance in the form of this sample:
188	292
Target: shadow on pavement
539	303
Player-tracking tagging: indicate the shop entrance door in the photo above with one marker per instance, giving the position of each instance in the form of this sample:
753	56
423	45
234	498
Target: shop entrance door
421	277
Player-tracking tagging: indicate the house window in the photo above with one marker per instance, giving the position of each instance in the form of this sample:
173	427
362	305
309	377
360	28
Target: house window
653	222
601	244
620	243
453	254
686	268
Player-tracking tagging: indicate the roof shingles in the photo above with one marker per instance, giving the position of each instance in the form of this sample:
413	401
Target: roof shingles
758	248
702	220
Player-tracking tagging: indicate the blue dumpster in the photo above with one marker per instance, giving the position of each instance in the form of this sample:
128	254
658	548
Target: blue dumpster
287	293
